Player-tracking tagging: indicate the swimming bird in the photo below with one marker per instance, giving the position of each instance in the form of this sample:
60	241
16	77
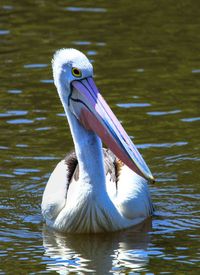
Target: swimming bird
93	189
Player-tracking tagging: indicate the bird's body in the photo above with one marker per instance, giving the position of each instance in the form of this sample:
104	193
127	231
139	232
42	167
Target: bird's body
92	189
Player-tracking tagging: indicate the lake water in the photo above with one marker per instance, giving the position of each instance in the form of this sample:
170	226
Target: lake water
146	56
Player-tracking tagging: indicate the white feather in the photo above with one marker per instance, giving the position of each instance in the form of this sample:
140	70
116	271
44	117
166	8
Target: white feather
93	203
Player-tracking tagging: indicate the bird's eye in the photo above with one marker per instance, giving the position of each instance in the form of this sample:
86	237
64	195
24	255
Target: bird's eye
76	72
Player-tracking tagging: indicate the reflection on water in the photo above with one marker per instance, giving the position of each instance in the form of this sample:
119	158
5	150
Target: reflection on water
145	56
101	253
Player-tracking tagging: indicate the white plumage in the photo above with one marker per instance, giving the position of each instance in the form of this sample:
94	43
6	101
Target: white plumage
92	192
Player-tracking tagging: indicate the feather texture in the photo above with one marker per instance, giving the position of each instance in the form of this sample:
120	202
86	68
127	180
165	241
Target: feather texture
71	206
91	190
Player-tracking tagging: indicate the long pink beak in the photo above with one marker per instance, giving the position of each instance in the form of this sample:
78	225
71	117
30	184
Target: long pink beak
93	112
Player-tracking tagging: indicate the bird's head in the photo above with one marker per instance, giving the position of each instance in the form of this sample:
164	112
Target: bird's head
73	77
70	65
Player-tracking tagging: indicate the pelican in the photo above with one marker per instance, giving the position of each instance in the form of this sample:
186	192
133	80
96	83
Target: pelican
93	189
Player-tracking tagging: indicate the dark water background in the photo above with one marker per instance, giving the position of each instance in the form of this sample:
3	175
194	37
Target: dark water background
146	56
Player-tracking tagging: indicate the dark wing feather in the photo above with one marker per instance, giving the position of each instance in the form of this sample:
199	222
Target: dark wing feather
111	162
112	165
72	165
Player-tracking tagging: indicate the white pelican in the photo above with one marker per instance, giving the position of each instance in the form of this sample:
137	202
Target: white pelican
93	189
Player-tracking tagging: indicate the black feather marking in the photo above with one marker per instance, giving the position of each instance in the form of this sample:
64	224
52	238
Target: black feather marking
111	163
71	162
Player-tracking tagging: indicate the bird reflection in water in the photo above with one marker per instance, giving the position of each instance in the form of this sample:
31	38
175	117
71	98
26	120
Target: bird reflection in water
100	253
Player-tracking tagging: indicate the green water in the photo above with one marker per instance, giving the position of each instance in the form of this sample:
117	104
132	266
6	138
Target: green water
146	56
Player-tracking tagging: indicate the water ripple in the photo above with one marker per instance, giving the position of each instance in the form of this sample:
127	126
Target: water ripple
82	43
24	171
22	145
15	91
161	145
181	157
4	148
35	66
7	7
14	113
192	119
37	157
166	225
196	71
91	53
20	121
4	32
163	113
86	43
49	81
81	9
133	105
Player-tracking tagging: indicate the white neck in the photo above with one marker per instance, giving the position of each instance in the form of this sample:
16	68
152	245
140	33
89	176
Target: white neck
88	148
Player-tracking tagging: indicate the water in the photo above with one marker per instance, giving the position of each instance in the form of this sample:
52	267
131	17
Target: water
146	59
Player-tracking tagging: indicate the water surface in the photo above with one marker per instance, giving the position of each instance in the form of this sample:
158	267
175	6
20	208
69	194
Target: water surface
146	60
